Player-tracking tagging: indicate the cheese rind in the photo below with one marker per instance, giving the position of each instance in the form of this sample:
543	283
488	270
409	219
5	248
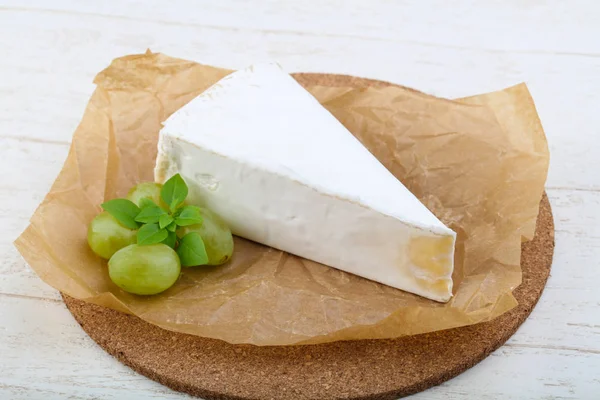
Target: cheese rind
260	151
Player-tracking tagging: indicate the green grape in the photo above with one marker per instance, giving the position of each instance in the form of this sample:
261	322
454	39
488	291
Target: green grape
149	190
144	270
215	234
106	236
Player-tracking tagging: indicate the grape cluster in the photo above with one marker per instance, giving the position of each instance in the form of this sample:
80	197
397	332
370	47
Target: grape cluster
146	269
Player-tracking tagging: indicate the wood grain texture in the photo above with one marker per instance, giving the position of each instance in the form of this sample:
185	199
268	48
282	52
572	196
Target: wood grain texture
52	50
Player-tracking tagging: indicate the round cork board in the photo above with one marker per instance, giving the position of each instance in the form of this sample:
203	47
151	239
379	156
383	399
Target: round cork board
364	369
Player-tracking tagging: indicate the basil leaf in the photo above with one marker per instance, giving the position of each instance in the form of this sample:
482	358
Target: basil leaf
124	211
190	215
176	213
164	220
174	192
191	250
172	227
150	234
171	240
150	214
146	202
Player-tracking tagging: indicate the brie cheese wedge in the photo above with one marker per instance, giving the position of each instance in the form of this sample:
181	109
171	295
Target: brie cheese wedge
259	150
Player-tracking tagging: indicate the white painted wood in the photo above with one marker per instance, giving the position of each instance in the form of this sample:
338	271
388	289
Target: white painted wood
52	50
45	354
75	46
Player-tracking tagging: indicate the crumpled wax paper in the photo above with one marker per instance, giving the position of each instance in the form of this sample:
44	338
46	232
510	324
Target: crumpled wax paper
478	163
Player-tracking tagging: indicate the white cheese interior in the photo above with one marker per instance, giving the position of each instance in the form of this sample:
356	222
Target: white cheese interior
281	170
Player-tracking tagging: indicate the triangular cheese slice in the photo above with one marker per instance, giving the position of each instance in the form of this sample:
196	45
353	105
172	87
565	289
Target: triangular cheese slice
260	151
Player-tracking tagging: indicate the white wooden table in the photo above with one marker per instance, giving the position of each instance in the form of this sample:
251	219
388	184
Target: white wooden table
51	50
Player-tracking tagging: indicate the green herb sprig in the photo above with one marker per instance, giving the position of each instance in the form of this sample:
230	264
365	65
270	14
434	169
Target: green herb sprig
158	225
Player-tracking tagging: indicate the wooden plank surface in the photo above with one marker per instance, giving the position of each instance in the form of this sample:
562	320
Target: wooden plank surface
52	50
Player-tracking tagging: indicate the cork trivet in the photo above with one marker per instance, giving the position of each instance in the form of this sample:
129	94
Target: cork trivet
364	369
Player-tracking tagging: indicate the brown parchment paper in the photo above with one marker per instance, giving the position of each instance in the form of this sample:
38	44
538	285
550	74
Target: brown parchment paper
478	163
